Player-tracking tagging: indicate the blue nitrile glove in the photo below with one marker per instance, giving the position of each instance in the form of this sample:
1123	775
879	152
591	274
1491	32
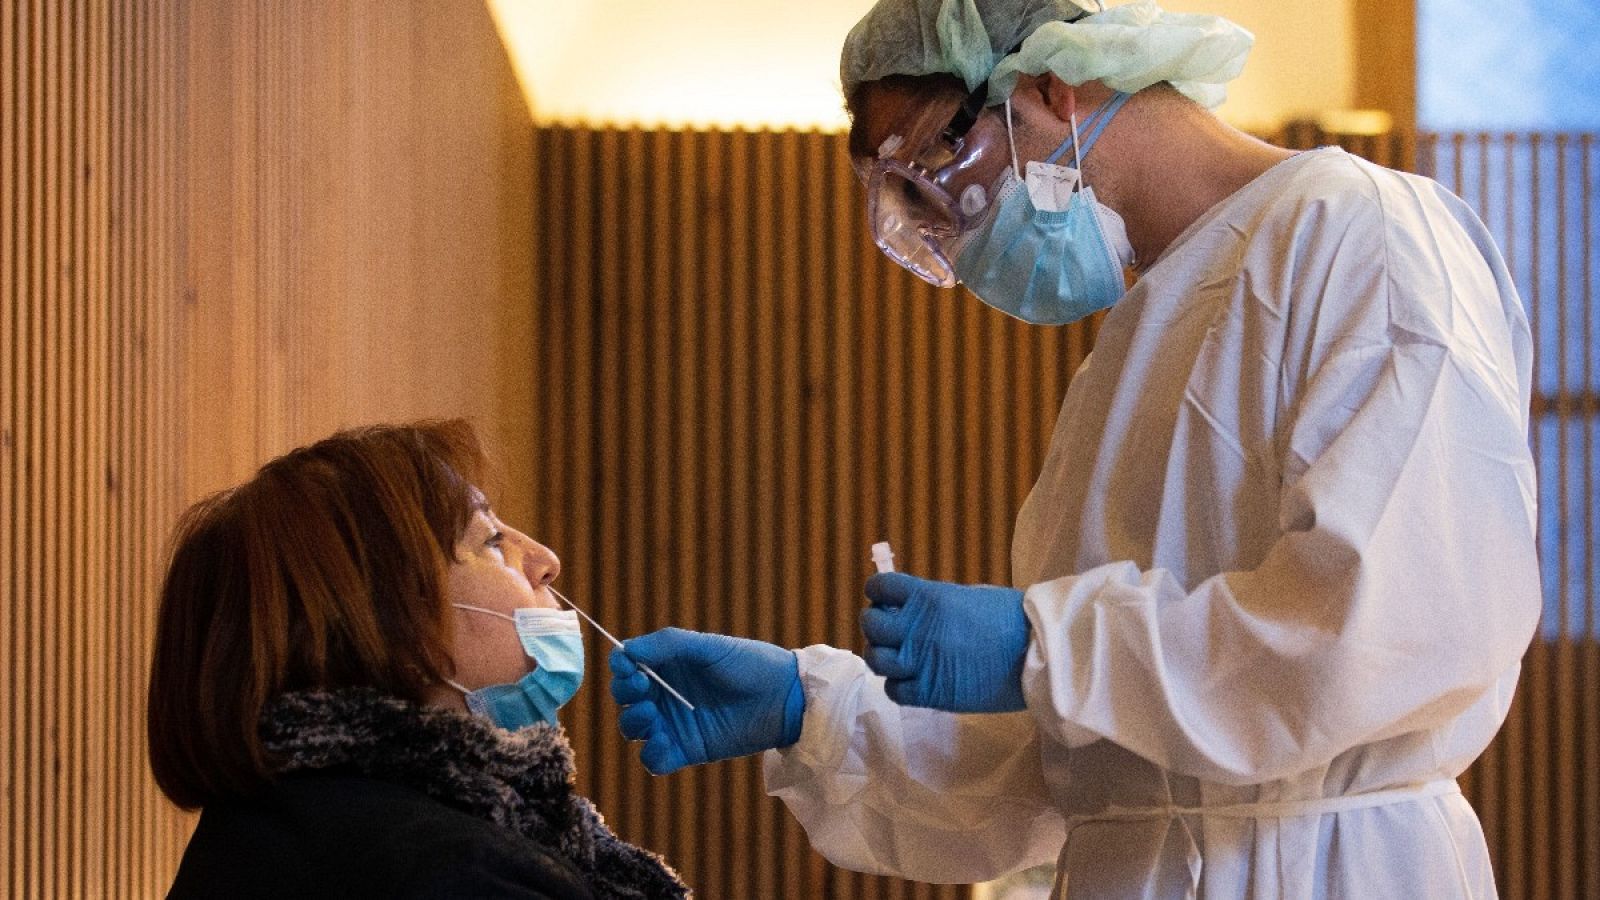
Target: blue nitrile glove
746	694
954	647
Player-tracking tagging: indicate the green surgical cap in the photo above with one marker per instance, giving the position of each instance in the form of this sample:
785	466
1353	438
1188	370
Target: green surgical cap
1127	47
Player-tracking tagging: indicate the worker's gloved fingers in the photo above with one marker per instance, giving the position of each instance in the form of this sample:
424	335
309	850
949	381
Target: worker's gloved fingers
893	589
661	754
651	649
640	721
884	626
628	687
633	689
904	692
621	664
669	645
886	661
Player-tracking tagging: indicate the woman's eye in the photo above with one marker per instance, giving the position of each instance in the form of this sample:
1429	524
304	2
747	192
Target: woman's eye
495	540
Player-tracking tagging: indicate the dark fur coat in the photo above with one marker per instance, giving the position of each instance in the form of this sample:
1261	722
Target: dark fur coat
521	781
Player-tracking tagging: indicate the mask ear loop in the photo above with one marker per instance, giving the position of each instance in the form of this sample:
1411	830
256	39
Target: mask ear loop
1011	136
492	612
1072	117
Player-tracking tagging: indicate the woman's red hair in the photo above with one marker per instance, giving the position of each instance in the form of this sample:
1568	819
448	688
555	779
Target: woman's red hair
326	570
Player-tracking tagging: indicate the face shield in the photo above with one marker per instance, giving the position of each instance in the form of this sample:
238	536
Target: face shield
934	181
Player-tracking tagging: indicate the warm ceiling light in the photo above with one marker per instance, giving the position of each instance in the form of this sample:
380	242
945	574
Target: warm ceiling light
706	64
774	63
1355	121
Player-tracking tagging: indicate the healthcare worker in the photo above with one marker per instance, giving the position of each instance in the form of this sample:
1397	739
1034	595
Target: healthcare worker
1278	572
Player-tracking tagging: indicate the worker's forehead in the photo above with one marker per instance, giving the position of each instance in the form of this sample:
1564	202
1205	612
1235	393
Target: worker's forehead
914	112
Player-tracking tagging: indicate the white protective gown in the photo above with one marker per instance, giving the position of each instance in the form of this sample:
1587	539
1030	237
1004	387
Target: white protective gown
1280	572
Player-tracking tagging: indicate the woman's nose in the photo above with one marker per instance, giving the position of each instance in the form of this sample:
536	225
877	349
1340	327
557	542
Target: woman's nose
539	562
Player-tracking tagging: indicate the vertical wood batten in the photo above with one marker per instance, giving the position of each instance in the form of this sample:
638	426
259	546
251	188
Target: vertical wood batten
798	276
631	604
642	256
755	205
842	277
691	449
87	513
1590	763
734	593
582	383
1565	823
76	706
806	288
680	230
963	404
611	371
626	607
12	344
989	539
118	274
105	476
11	238
152	506
140	67
37	474
705	161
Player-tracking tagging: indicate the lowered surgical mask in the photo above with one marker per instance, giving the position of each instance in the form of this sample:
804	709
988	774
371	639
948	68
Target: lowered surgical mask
551	637
1048	255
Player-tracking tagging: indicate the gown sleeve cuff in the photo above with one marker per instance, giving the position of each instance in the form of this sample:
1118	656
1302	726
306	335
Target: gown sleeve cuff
1057	669
829	684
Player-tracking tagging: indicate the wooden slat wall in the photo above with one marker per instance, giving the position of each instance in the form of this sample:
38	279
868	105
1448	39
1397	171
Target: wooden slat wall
85	432
358	202
1538	787
227	229
750	395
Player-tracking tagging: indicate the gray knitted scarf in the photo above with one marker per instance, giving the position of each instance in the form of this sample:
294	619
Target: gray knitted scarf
521	780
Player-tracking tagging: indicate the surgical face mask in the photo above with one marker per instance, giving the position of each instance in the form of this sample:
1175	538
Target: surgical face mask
551	637
1048	266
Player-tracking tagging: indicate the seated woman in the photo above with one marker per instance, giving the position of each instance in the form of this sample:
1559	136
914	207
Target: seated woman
356	676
